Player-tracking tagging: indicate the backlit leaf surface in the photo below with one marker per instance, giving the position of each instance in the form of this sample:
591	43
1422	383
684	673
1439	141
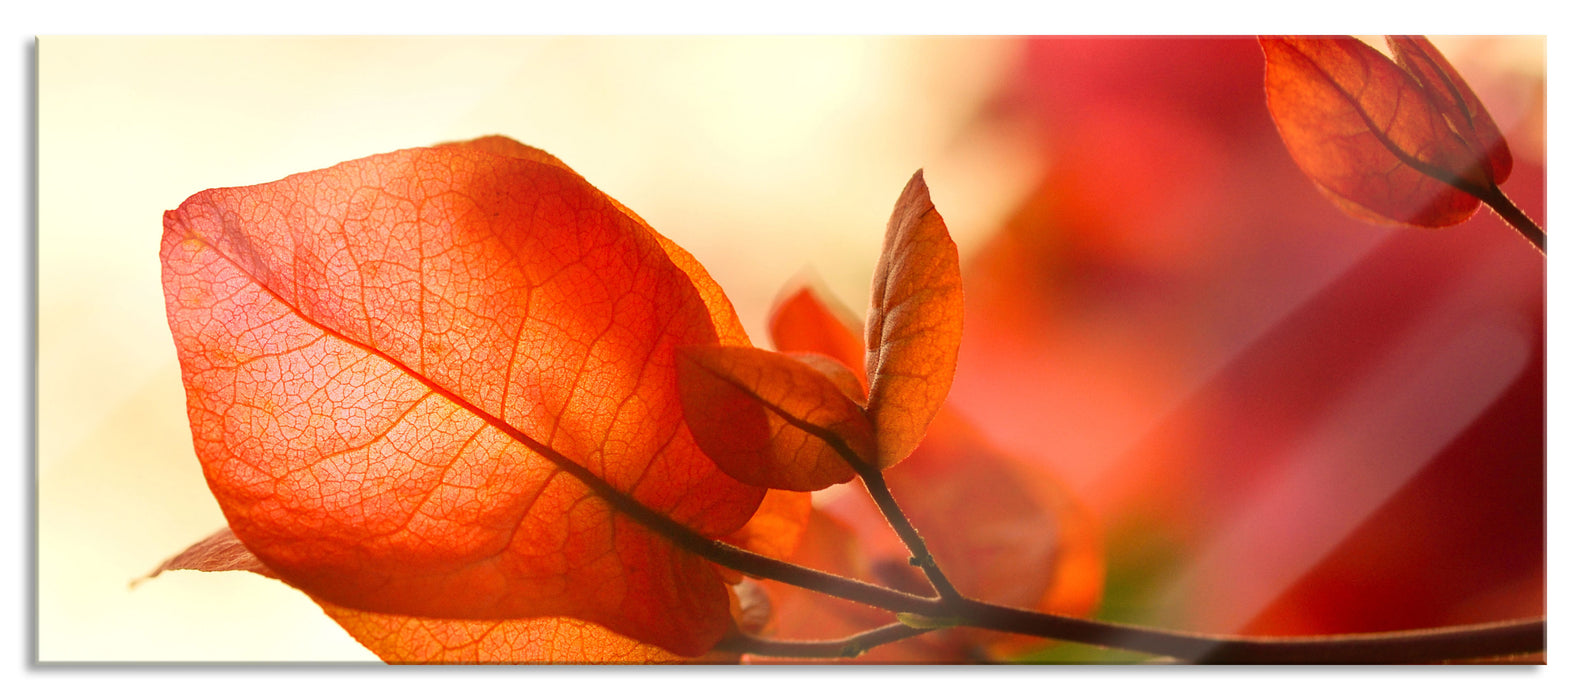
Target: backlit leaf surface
777	526
425	382
771	419
1469	120
1369	134
914	323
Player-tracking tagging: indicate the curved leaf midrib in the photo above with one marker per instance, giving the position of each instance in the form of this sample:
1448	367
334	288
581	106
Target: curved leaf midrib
1410	161
617	499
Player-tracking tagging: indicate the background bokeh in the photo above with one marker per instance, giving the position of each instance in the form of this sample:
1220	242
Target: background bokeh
1286	420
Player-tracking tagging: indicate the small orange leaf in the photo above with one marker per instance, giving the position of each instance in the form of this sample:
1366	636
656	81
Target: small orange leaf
771	420
1368	134
837	372
914	323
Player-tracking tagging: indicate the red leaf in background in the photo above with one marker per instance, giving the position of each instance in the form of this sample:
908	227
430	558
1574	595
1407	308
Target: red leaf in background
914	323
838	373
1371	136
1002	530
772	420
425	382
802	323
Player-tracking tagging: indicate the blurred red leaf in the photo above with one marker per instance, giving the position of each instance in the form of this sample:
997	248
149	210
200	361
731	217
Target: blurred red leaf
914	323
801	323
770	419
1372	136
425	383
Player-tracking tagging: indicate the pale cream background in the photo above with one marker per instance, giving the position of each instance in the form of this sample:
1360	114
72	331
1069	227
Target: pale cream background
769	158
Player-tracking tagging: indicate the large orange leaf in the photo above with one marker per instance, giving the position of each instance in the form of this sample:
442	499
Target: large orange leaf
914	323
773	420
429	382
1371	136
726	323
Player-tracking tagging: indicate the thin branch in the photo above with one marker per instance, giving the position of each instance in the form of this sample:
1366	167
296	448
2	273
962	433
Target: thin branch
1491	194
873	480
1480	641
1404	647
1513	215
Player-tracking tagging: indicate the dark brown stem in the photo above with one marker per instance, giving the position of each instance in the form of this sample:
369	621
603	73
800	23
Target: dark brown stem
1406	647
873	480
758	565
1480	641
1513	215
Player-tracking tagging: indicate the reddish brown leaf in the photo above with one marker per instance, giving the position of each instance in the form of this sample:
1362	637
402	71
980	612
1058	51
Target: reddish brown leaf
802	323
220	551
914	323
1469	120
838	373
427	383
1367	133
770	419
